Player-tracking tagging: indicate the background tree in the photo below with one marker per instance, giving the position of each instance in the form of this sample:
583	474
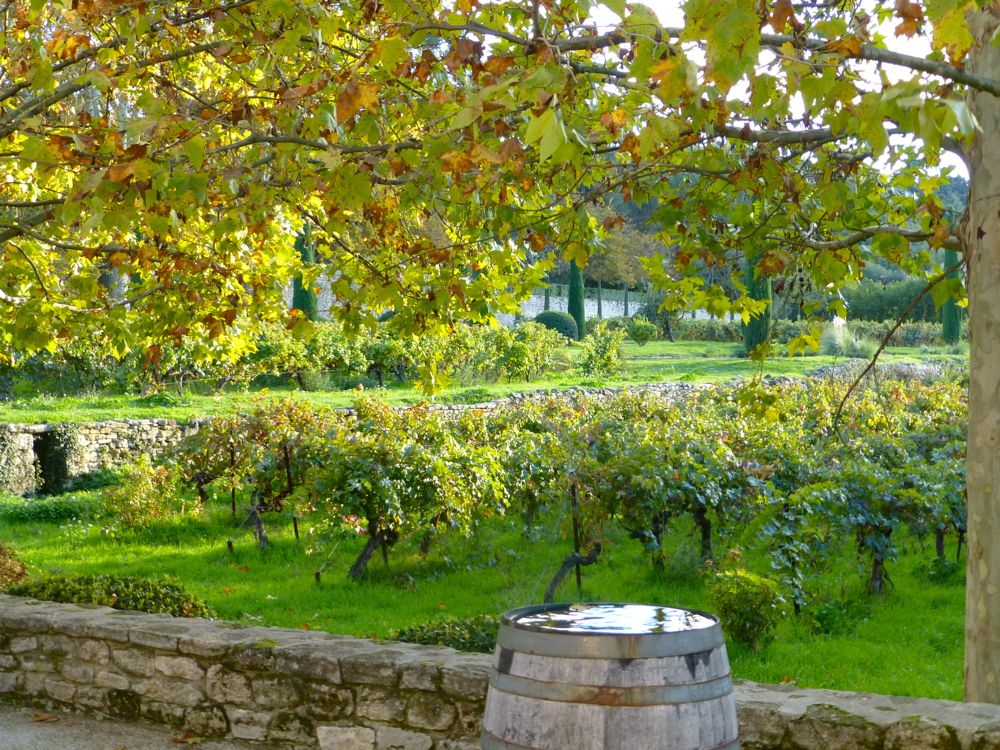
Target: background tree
304	296
757	328
575	303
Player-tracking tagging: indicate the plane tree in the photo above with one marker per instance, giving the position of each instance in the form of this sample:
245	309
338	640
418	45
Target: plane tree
159	159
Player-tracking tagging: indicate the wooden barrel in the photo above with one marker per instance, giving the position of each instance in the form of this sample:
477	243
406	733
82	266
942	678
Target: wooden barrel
609	677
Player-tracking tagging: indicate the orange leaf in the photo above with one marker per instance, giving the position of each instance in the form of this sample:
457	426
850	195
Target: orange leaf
354	97
613	121
849	46
307	89
783	13
119	173
45	718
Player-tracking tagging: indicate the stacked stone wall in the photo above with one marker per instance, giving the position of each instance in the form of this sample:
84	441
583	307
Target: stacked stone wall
298	689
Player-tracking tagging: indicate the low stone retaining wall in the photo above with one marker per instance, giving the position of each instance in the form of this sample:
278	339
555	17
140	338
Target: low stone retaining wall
300	689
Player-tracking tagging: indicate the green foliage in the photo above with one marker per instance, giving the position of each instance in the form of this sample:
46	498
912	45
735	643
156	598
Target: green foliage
749	606
477	633
757	330
602	355
575	305
303	294
59	452
840	341
118	592
951	313
561	322
641	331
12	570
145	493
51	509
885	301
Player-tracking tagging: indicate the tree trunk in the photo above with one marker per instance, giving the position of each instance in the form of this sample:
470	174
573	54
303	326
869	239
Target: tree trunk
704	525
939	543
600	308
361	563
548	298
626	301
982	244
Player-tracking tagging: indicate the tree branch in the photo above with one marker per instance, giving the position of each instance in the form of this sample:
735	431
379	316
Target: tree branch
885	339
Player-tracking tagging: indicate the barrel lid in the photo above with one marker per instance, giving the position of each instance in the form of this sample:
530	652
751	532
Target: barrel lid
605	618
608	631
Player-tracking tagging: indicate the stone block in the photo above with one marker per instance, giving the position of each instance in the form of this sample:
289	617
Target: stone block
7	661
90	697
328	702
372	668
225	686
392	738
107	679
94	651
274	693
345	738
77	672
248	725
919	733
176	693
134	661
9	682
761	727
470	719
183	667
36	663
380	705
308	660
57	645
22	644
34	682
60	690
466	679
419	676
427	711
159	712
290	727
827	726
206	721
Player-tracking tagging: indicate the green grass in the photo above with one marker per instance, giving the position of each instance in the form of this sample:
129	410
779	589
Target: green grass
657	362
908	643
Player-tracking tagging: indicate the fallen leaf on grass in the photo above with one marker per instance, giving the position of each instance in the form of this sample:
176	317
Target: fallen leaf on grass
46	718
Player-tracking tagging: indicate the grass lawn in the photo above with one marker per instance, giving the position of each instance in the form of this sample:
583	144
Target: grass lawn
907	643
657	362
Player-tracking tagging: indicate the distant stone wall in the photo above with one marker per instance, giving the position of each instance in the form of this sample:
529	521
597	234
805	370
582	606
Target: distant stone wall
17	460
50	457
299	689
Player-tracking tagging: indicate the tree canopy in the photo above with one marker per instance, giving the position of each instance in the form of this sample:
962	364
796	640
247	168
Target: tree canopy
180	146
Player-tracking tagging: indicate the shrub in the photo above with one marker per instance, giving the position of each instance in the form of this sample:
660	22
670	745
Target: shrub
641	331
56	509
706	329
558	321
748	605
839	341
602	355
118	592
145	493
12	570
477	633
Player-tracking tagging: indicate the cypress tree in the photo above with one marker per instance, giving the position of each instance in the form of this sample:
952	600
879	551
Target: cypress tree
758	287
302	298
575	304
951	313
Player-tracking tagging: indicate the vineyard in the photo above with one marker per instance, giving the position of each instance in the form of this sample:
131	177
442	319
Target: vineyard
759	503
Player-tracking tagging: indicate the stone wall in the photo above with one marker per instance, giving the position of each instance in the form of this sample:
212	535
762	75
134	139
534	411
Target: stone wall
301	689
49	457
17	460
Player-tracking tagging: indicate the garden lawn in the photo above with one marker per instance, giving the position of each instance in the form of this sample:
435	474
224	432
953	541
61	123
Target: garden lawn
907	643
657	362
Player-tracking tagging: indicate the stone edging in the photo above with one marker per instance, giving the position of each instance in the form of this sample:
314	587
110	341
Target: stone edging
300	689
